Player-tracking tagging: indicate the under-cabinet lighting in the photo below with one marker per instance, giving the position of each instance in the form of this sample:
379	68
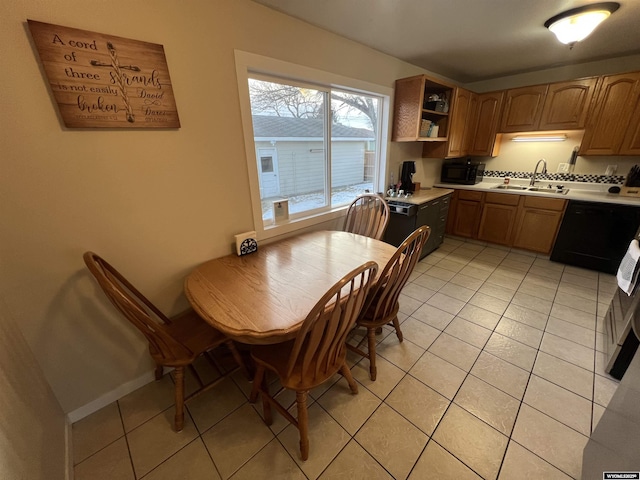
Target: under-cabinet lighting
559	137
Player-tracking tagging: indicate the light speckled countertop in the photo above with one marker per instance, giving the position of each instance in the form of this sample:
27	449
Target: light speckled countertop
424	195
588	192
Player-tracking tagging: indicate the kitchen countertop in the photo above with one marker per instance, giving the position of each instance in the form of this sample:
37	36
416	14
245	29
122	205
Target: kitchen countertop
587	192
424	195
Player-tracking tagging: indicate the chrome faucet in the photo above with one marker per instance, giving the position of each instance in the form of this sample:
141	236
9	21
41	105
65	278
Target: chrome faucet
535	171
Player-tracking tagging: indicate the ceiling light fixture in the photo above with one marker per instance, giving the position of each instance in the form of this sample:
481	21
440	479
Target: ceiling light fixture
576	24
558	137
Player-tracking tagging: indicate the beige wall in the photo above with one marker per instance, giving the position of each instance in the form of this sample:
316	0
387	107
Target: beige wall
32	424
154	203
522	157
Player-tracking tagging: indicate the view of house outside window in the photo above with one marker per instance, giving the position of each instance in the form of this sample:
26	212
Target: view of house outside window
315	147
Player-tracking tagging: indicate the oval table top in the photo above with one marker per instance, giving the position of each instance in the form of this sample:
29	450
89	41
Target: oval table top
264	297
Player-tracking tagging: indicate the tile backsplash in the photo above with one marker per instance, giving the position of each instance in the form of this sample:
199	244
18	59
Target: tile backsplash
558	177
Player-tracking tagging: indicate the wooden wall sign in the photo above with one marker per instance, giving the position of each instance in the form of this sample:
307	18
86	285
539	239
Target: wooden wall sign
102	81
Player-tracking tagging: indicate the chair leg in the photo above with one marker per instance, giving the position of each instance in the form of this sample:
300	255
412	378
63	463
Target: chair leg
257	381
396	325
179	392
346	373
159	372
238	358
371	334
266	405
303	423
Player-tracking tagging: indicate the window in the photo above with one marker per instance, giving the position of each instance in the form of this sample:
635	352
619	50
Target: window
317	143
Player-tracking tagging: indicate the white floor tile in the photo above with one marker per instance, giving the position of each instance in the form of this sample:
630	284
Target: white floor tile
498	343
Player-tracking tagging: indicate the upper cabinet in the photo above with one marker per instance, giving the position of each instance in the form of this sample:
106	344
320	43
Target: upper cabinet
613	126
454	122
567	104
631	141
474	127
460	118
523	109
483	139
556	106
421	109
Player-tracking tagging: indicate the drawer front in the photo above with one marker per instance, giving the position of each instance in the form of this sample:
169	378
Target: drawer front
469	195
502	198
556	204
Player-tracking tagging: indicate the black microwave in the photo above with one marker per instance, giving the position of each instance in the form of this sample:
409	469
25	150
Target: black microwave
464	173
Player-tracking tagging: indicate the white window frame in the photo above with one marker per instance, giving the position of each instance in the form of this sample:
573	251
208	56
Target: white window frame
249	64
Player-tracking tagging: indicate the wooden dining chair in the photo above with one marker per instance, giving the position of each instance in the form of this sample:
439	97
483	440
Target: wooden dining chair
317	352
368	215
173	342
382	304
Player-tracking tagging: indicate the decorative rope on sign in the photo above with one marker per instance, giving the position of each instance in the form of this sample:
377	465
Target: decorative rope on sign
118	78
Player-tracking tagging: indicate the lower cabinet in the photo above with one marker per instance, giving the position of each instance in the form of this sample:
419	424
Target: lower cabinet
521	221
466	207
538	223
498	218
433	213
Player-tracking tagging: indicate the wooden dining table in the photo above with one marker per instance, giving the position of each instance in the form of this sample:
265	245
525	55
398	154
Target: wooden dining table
263	297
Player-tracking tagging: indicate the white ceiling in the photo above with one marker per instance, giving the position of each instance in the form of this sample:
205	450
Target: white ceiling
469	40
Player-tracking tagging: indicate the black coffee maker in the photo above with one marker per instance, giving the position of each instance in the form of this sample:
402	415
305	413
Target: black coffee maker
406	183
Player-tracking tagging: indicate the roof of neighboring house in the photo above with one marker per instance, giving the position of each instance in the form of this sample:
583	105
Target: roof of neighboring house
265	126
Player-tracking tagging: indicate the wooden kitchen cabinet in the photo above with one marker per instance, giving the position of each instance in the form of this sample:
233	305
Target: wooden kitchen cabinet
466	210
459	126
498	218
556	106
523	109
538	223
484	139
631	141
411	108
523	221
613	117
434	214
566	104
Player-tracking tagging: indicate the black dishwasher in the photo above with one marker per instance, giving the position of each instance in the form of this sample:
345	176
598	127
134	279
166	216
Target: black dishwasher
595	235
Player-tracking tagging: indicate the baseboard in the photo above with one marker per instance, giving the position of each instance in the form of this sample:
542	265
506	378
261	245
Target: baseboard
110	397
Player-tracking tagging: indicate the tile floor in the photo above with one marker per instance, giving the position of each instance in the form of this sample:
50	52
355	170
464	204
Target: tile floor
500	375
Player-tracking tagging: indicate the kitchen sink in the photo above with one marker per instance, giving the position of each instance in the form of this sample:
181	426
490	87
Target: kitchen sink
561	191
510	187
556	190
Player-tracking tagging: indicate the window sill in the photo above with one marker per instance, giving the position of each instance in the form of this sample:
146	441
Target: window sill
301	223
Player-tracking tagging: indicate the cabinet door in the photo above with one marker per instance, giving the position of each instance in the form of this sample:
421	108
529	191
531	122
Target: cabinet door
523	109
484	127
538	223
460	120
429	214
537	229
631	141
610	114
466	218
453	202
407	108
498	218
459	124
566	104
410	109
